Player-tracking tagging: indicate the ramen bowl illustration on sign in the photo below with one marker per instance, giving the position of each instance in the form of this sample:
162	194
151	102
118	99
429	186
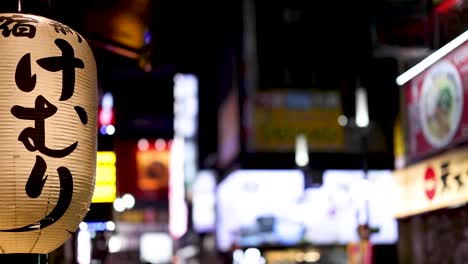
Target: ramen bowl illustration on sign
441	104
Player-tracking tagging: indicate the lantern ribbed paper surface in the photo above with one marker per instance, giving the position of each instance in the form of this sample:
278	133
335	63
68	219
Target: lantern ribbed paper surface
48	106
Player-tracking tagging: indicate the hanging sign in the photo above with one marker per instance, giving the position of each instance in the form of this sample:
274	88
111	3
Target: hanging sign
437	183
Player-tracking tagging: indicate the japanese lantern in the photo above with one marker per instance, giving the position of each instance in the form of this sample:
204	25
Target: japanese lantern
48	107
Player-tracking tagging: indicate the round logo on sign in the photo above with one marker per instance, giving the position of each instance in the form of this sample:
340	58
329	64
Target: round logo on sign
430	183
441	104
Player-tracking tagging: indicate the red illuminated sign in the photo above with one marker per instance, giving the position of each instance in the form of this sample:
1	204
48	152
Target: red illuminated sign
437	115
430	183
143	168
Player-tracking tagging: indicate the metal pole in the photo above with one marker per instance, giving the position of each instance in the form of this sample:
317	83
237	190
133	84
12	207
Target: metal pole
365	167
24	258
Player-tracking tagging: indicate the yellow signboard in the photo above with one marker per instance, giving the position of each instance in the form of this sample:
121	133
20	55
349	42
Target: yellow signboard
280	116
105	189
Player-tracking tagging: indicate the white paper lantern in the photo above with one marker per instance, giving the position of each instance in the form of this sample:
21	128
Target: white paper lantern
48	106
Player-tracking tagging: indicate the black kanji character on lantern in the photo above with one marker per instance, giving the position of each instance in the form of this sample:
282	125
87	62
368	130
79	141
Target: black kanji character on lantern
444	176
459	180
25	80
61	28
22	26
33	138
64	199
65	63
36	179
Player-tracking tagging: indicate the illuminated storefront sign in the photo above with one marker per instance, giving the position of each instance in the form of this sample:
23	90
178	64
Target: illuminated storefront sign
153	166
433	184
105	190
435	95
279	116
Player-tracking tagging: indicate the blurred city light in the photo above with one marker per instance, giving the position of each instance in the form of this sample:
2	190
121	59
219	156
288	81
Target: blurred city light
252	256
110	130
342	120
300	257
156	248
110	226
143	144
302	151
238	256
119	205
103	130
83	226
160	144
115	244
128	201
178	215
312	256
84	247
362	112
185	104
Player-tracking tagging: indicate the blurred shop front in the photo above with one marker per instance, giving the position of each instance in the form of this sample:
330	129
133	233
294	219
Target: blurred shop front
140	208
273	212
293	186
431	187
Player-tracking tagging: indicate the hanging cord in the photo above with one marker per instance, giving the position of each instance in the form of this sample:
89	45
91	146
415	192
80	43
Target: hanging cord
47	10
